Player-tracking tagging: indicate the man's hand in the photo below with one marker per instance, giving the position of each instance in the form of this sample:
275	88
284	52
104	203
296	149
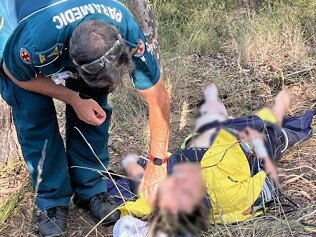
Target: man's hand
152	177
89	111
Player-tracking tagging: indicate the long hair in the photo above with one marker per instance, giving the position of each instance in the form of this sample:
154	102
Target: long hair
90	40
183	224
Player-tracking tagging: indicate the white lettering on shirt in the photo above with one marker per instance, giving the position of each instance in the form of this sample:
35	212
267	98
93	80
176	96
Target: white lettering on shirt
77	13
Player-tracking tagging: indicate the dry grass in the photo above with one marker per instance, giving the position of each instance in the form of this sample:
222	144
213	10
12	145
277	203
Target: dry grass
242	94
13	179
250	58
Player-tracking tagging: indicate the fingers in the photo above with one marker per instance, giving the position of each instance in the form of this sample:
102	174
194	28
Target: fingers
92	120
249	134
99	114
92	113
95	121
98	109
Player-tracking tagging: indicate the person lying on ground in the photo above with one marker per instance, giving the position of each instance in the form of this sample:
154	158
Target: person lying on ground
92	44
235	181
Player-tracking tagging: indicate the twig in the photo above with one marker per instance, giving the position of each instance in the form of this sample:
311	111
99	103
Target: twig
299	72
308	214
297	168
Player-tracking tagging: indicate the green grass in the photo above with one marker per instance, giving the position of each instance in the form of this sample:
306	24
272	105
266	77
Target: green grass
276	41
281	28
7	207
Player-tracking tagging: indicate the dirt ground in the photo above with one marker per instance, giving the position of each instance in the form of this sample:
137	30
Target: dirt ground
243	92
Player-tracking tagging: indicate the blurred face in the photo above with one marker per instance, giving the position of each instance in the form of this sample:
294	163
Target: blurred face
183	190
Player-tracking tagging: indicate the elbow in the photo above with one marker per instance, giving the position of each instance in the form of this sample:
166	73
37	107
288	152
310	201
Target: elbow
11	77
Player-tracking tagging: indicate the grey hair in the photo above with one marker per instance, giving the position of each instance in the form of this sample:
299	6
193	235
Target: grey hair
90	40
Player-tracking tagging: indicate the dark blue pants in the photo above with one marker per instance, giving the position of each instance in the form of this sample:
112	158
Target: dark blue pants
35	121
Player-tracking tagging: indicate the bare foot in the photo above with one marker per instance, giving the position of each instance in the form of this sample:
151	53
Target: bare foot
282	103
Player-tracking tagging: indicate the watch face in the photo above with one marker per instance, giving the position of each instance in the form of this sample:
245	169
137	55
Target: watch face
157	161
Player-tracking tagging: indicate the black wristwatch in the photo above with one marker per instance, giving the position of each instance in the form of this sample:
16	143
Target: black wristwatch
156	160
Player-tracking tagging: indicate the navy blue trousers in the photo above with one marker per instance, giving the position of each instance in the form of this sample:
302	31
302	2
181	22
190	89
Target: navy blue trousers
35	121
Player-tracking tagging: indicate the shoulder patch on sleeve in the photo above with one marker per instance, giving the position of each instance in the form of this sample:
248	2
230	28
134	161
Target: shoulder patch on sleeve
48	56
141	48
134	48
25	56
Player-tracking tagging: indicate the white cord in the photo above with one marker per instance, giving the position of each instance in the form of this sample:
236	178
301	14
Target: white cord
286	143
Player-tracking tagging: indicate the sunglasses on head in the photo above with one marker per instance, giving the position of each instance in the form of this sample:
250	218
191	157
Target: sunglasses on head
112	55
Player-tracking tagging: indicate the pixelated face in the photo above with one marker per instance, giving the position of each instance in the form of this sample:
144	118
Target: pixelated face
183	190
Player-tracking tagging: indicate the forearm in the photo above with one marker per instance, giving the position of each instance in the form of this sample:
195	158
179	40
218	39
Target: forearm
45	86
270	169
159	128
159	118
159	123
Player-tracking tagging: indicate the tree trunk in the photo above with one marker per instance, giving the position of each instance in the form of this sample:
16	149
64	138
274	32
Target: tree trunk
9	149
145	16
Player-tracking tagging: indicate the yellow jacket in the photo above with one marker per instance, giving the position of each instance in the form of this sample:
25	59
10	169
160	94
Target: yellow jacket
228	180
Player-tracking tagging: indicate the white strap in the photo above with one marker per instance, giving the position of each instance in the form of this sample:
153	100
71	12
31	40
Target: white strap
286	143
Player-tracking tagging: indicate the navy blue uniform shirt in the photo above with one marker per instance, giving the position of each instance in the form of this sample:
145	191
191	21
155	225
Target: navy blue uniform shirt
39	44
